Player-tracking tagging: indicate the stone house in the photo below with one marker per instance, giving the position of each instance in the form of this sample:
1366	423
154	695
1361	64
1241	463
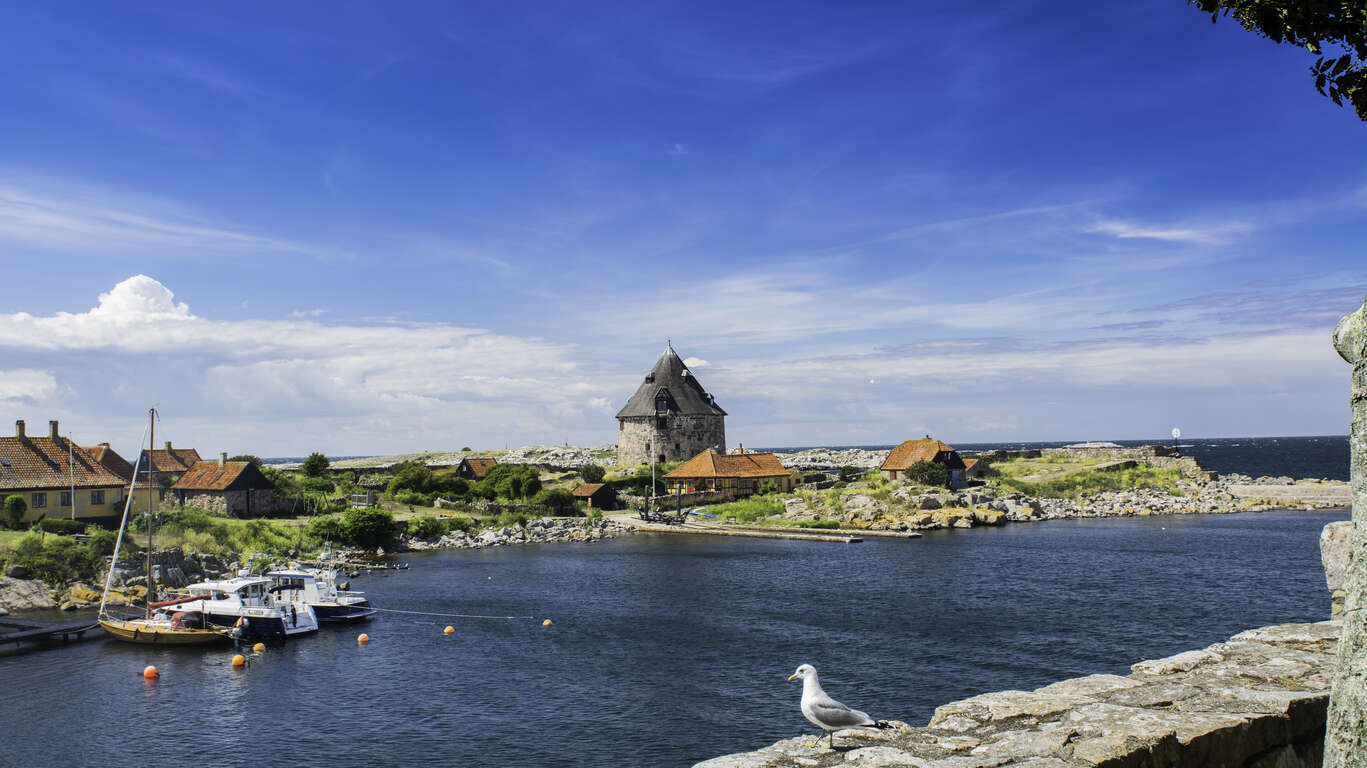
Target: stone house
474	469
737	474
670	417
56	478
596	495
236	488
974	469
926	449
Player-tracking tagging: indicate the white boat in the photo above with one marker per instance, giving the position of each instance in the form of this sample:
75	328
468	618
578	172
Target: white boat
317	588
247	603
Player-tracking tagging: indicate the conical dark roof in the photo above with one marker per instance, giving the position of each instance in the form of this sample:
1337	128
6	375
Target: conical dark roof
686	395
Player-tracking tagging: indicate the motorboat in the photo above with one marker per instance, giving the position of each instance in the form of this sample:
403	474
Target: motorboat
247	604
317	588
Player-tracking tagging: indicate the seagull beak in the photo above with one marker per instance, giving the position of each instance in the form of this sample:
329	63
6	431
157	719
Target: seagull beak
792	677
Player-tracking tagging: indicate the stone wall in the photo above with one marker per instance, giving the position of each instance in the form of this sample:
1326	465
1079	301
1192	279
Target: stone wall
678	438
254	503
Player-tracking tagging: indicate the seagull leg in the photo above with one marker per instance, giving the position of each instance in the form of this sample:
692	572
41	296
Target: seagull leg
832	742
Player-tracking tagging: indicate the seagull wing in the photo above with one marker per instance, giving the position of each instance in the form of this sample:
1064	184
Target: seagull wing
833	714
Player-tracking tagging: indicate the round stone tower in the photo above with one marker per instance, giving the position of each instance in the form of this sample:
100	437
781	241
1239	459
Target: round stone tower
670	418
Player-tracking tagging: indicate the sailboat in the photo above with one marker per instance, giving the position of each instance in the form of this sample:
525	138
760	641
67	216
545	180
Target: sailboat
155	627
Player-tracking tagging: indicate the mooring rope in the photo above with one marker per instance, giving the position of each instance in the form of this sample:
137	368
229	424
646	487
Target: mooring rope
449	615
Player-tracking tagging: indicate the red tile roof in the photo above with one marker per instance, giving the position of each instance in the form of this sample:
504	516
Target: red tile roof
44	462
170	460
481	467
228	476
712	464
913	451
587	489
110	460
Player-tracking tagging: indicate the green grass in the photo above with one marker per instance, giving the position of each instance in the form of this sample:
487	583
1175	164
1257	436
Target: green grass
751	510
1075	484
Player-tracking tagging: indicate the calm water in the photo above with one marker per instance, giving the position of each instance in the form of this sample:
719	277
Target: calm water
669	650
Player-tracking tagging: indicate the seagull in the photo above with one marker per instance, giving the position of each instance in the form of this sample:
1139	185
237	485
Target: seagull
827	713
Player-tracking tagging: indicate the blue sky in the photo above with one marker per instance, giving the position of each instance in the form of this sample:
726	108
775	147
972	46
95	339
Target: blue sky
370	228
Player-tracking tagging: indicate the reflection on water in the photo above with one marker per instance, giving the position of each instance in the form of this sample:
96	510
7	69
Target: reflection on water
668	650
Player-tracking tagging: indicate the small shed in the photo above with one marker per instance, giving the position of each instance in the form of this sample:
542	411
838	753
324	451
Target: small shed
596	495
475	468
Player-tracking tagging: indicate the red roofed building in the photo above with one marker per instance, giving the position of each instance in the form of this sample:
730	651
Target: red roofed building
110	459
44	471
927	449
596	495
475	468
237	488
739	474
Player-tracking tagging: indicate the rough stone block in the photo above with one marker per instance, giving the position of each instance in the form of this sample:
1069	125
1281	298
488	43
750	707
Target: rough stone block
1182	662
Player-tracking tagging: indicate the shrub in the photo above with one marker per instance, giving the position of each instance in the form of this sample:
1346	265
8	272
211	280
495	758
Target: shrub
412	498
318	485
248	458
767	488
15	507
512	481
450	485
849	473
368	528
316	465
827	524
592	473
412	476
748	510
426	528
928	473
462	523
557	499
61	526
327	528
56	558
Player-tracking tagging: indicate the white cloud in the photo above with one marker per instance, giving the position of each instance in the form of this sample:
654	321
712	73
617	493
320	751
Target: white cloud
24	383
315	312
1213	233
695	362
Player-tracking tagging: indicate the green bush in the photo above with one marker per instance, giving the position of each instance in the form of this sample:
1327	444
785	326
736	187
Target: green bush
327	528
826	524
56	559
558	499
512	481
247	457
411	476
61	525
368	528
449	486
426	528
462	523
316	465
1077	484
318	484
592	473
413	499
928	473
15	507
767	488
849	473
747	510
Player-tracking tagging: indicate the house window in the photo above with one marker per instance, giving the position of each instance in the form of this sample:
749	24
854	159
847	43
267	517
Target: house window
39	500
66	499
96	497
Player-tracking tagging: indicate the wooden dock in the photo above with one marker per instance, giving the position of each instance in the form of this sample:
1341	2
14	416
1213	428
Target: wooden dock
834	531
20	631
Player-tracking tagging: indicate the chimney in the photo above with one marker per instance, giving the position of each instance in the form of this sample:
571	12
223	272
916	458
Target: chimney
104	445
222	458
19	428
52	429
168	446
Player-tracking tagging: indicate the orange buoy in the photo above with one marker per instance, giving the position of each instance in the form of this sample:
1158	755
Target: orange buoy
364	638
259	648
450	630
239	660
150	673
546	623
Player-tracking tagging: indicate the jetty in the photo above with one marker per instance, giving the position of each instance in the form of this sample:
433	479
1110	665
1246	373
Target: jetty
19	631
634	522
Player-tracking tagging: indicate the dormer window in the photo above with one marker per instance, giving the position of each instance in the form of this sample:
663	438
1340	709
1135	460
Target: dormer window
662	402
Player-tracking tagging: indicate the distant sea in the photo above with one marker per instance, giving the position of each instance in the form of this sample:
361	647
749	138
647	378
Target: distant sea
1324	457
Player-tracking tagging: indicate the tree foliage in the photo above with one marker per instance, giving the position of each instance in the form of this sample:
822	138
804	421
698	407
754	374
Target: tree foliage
15	507
247	457
316	465
1315	25
592	473
928	473
368	528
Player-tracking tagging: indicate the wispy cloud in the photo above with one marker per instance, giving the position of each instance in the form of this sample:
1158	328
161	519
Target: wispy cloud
64	217
1210	233
26	384
199	73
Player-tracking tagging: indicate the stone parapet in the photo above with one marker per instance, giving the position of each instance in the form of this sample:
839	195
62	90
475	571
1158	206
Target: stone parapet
1255	701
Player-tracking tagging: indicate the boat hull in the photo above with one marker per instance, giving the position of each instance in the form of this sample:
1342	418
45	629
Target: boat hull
335	613
140	631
